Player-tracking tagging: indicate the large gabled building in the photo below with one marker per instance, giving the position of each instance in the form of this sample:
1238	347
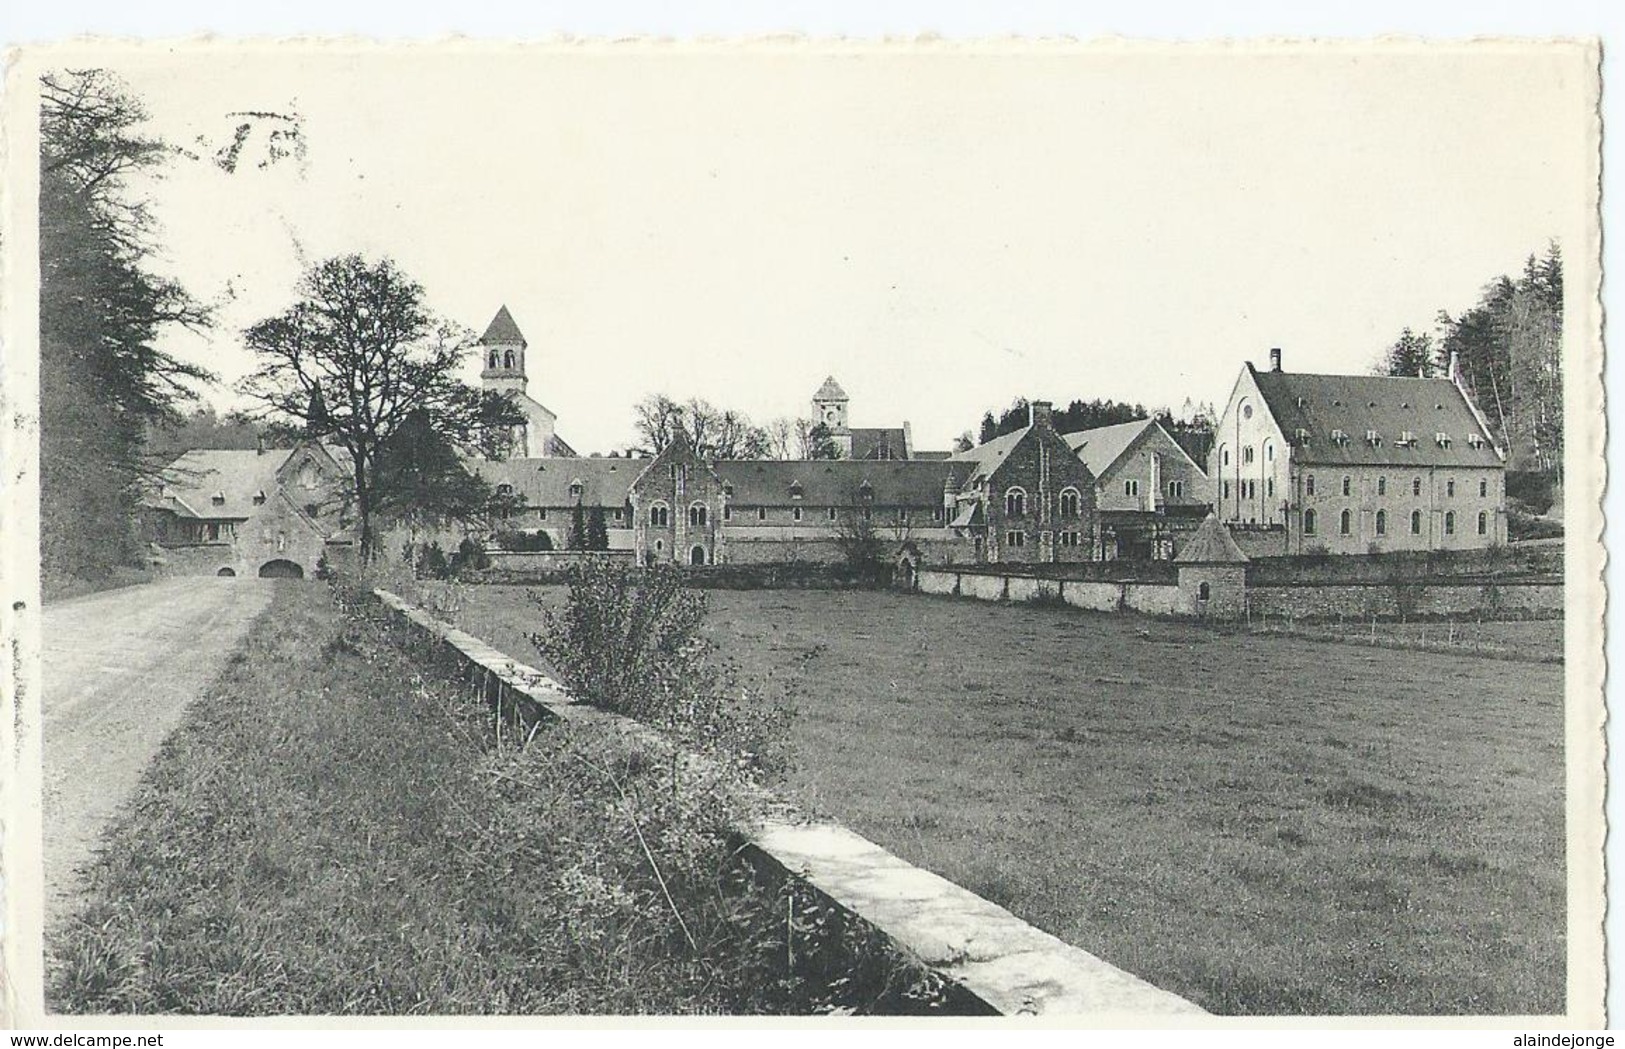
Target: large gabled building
1147	488
1354	464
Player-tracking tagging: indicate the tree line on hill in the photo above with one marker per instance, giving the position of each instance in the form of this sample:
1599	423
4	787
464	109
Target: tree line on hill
725	433
1509	348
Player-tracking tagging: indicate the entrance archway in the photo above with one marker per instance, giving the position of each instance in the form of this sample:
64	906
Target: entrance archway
696	556
227	571
281	569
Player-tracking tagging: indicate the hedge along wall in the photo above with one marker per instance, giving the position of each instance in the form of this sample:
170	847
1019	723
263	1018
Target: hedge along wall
981	948
1391	600
549	560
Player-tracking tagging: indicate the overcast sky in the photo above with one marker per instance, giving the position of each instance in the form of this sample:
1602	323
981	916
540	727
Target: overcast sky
943	231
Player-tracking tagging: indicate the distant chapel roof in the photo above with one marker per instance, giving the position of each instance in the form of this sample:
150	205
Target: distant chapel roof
502	329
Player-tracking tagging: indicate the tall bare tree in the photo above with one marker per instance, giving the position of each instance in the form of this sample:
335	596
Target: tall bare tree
358	357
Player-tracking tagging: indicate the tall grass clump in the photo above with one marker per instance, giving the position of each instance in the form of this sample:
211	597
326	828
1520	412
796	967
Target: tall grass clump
628	640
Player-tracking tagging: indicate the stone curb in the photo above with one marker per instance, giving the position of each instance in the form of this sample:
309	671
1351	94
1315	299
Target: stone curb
995	957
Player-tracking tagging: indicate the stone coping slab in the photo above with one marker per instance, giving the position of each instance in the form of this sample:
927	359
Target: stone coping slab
1012	967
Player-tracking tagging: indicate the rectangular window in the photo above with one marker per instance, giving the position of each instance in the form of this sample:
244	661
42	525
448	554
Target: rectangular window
617	513
936	514
1226	492
761	513
1348	487
1483	490
541	513
796	513
902	516
1269	488
1450	489
1069	538
1015	539
727	513
832	513
1309	485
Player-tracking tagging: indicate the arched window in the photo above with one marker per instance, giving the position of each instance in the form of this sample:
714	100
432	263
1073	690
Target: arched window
1247	454
1416	522
1203	592
1382	486
1483	523
1416	486
1224	455
507	359
1382	522
493	358
660	515
1308	522
1345	523
1450	522
1069	502
1015	502
1269	451
696	556
696	515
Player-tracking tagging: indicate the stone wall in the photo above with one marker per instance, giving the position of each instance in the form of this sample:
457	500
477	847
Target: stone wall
549	561
1095	596
1392	600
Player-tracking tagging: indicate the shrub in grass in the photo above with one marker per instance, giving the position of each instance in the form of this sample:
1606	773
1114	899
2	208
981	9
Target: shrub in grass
627	640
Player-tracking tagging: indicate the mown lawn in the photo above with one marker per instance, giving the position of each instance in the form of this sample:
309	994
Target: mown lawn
1539	640
332	831
1262	824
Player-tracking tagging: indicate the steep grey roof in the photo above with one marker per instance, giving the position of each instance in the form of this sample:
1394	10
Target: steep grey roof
985	458
1100	447
502	329
898	482
546	482
1211	544
1390	405
879	442
192	481
830	391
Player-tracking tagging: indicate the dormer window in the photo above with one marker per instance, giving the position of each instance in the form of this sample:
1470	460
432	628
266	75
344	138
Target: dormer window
504	489
1442	439
1340	437
1407	439
796	491
576	488
728	490
1301	435
218	499
1373	438
1475	440
866	492
1303	402
259	497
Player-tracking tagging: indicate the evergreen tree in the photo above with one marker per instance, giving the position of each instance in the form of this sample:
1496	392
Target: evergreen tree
1411	355
577	539
597	529
104	384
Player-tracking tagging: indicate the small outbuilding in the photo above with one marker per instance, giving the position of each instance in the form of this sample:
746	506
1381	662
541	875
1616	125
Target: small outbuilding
1212	572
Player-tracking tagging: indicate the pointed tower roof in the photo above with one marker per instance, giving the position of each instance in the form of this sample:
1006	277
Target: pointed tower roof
830	391
1211	544
502	330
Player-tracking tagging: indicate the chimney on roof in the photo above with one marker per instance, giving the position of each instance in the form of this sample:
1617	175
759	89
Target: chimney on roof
1454	374
1275	358
1038	414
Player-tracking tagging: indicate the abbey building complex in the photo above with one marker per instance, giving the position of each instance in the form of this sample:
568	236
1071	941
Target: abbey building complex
1300	464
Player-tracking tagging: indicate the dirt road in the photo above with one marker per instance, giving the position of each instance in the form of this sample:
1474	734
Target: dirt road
119	670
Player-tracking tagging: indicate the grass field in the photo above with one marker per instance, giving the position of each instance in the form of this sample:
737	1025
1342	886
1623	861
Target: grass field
1540	640
1262	824
331	832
